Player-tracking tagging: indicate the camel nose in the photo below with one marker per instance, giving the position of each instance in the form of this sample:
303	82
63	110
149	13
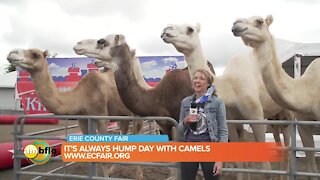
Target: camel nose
233	29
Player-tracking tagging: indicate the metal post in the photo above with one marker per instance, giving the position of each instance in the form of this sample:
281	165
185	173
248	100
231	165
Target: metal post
92	126
297	66
292	171
17	148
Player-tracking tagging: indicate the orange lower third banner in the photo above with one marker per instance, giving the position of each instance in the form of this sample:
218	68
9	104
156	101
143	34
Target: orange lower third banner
172	152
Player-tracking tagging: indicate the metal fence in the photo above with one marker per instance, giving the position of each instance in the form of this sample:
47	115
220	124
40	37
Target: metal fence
292	172
19	136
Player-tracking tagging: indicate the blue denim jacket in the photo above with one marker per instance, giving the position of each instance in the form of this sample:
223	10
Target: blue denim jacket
216	117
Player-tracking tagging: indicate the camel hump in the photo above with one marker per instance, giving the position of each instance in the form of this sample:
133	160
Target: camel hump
313	68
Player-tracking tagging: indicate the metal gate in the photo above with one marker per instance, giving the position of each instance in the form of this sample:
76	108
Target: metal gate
19	136
292	173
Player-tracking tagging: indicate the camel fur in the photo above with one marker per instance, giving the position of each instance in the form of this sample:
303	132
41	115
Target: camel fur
300	94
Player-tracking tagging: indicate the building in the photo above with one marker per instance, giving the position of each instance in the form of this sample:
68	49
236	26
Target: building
9	100
297	58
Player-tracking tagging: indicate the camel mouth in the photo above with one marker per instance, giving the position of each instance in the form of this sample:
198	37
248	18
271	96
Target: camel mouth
79	51
237	31
13	57
13	61
167	37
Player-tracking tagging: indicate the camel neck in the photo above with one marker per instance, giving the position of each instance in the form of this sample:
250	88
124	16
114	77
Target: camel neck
50	96
138	73
45	88
282	88
133	95
196	61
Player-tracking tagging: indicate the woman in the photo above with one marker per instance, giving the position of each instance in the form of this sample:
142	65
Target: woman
202	119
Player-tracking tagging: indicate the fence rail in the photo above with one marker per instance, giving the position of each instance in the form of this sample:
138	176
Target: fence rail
19	136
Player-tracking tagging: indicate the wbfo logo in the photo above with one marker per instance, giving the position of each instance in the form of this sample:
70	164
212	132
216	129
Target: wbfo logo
39	152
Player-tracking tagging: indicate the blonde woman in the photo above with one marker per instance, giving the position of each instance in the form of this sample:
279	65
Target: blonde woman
202	119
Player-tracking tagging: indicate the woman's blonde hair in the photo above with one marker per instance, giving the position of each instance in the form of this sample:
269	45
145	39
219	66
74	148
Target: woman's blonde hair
209	77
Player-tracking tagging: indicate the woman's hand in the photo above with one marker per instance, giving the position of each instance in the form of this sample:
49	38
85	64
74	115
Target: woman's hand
217	168
190	119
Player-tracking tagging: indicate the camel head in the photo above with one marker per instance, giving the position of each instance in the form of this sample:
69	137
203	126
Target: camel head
100	48
253	31
183	37
30	60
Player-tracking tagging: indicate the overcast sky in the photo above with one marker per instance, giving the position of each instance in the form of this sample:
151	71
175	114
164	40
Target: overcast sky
57	25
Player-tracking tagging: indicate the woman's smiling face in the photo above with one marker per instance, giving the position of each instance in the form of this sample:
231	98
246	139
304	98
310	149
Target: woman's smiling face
200	83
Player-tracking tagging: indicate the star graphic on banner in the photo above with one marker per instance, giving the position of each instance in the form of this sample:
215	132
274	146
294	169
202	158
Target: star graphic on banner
11	151
173	66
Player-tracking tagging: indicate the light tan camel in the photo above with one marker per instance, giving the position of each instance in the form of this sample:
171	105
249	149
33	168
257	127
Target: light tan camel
95	94
241	86
299	95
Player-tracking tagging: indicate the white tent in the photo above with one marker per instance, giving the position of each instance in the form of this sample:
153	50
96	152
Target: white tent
8	80
9	99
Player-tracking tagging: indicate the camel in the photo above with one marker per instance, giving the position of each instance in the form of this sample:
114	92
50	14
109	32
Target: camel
240	86
300	94
162	100
103	99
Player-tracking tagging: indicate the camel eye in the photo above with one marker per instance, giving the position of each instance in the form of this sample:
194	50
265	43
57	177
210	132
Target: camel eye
259	22
35	55
189	30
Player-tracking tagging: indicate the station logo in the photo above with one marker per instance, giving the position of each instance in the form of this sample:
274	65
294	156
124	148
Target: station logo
39	152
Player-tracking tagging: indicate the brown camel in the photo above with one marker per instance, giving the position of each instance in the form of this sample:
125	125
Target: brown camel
299	95
162	100
95	94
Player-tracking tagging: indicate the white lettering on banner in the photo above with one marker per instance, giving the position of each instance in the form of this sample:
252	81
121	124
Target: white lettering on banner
147	148
39	106
195	148
94	156
129	148
98	138
121	138
31	105
94	148
70	148
166	148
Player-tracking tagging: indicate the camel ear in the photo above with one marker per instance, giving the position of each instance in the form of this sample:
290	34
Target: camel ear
133	52
198	27
269	20
119	39
45	54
